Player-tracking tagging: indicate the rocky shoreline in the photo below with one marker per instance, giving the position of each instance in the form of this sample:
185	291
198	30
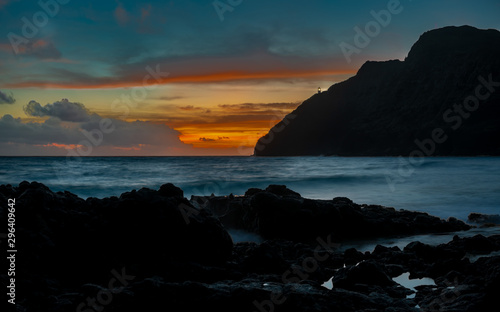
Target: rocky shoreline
154	250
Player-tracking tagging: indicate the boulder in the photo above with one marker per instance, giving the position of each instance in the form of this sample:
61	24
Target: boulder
483	218
365	272
170	190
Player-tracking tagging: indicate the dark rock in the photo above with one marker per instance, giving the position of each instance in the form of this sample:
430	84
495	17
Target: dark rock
366	272
478	244
170	190
265	259
281	190
379	249
488	225
352	256
141	228
279	212
342	200
252	191
394	270
483	218
178	256
388	105
433	253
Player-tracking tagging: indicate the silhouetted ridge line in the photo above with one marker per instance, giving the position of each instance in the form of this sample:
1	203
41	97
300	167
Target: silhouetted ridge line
443	99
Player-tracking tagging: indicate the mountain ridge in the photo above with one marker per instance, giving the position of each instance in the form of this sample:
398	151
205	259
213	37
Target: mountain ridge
390	105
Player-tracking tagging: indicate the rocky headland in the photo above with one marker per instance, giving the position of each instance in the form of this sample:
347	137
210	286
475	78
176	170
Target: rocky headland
441	100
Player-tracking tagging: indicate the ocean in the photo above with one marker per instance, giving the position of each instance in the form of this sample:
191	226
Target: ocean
441	186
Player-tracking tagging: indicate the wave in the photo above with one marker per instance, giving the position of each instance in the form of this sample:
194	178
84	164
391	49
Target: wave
442	186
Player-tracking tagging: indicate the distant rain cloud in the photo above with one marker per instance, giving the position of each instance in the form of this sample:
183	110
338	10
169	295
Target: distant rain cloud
169	98
64	110
54	133
259	106
203	139
6	99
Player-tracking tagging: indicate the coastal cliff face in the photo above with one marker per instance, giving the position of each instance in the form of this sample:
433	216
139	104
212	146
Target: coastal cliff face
443	99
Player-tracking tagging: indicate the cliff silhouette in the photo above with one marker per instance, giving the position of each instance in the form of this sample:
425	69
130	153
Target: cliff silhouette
443	99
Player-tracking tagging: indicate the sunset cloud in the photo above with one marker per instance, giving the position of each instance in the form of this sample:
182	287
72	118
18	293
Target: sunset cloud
169	98
40	49
70	124
209	87
231	125
219	138
6	99
252	107
206	139
79	81
190	108
64	110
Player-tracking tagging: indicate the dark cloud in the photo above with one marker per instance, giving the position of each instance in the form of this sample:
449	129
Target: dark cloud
194	108
53	130
41	49
267	117
6	99
64	110
54	137
169	98
260	106
219	138
136	132
243	68
206	139
13	130
190	108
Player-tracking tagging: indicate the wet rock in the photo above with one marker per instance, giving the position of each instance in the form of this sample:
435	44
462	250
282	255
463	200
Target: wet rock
366	272
281	190
352	256
178	255
252	191
170	190
278	212
483	218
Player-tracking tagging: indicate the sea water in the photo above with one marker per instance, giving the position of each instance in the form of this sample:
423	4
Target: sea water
441	186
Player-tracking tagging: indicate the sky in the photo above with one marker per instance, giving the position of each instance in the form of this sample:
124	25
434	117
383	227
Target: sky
172	78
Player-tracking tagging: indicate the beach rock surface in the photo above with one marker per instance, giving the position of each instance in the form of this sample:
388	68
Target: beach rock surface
278	212
151	250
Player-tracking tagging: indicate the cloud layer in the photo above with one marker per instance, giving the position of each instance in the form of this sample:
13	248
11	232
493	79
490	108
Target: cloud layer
64	110
71	127
6	99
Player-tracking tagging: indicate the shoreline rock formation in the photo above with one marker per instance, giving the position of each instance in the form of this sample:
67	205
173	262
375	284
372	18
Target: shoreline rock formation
280	213
150	250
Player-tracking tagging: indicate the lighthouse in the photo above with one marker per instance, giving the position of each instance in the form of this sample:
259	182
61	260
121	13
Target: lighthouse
319	90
